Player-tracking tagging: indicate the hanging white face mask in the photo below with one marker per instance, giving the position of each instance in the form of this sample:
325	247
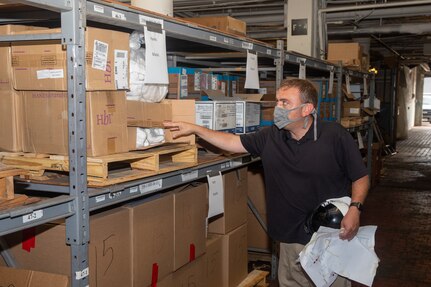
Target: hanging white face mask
281	116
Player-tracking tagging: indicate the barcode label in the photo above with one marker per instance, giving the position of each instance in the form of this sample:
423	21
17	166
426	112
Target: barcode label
32	216
82	274
50	74
206	117
150	186
246	45
189	175
99	9
100	198
121	69
118	15
100	55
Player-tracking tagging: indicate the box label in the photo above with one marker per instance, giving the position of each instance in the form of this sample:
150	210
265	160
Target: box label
100	55
121	69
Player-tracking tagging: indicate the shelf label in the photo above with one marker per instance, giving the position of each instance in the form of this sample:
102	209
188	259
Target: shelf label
118	15
100	198
99	9
213	38
268	51
116	194
82	274
246	45
189	176
32	216
251	73
150	186
226	40
144	19
134	189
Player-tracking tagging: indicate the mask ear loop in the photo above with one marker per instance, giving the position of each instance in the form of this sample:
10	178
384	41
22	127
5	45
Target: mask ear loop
314	115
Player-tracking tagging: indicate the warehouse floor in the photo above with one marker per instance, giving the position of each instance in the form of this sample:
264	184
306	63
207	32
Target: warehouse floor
400	205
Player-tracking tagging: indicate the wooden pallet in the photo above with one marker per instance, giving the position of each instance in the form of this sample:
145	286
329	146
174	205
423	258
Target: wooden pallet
110	169
256	278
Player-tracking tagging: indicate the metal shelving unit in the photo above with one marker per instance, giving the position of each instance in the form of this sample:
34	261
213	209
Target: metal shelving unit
75	201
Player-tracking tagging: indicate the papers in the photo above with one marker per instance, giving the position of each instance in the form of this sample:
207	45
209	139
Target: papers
326	256
155	57
251	73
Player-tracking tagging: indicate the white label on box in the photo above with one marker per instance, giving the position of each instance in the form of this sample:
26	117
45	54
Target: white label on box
233	87
144	19
50	74
155	57
213	38
240	116
225	116
360	140
150	186
205	115
118	15
134	189
214	82
197	81
216	195
32	216
121	69
252	115
99	9
331	82
189	176
354	110
365	86
82	274
223	87
100	198
100	55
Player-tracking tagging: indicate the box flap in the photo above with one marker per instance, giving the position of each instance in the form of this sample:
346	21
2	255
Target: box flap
250	97
216	95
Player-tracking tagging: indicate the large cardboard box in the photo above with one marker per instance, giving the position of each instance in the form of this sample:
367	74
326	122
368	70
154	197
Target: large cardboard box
109	249
152	233
223	23
190	211
191	275
248	113
216	115
46	126
10	102
349	54
147	115
351	109
235	258
235	202
28	278
214	256
42	65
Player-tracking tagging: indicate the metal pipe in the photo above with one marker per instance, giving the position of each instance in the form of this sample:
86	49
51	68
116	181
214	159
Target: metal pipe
230	4
418	28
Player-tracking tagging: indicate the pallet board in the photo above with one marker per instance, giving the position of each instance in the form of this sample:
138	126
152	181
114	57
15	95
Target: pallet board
256	278
110	169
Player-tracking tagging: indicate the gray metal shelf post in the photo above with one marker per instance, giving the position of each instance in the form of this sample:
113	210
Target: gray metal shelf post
77	226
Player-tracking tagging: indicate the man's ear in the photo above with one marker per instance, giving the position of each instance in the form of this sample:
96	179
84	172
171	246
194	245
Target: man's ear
307	109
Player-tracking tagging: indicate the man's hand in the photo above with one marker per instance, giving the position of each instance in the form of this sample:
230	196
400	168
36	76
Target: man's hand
350	224
180	129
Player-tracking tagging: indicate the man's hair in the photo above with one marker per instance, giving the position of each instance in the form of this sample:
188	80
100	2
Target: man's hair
307	91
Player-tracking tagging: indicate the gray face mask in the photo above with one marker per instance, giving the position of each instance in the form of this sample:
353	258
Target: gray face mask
281	116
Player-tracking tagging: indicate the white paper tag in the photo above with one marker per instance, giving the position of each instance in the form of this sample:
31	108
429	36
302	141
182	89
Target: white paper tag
213	38
100	55
32	216
50	74
82	274
118	15
331	82
360	140
214	82
134	189
216	195
99	9
348	84
150	186
100	198
252	73
302	70
246	45
155	57
197	81
144	19
189	176
121	69
365	86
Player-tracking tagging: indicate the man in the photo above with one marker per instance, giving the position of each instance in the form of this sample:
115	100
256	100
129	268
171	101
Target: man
306	161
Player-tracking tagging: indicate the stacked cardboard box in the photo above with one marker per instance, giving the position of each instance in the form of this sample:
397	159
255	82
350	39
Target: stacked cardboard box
223	23
349	54
30	278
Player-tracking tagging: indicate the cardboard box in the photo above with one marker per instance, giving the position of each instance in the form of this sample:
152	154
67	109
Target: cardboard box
235	202
29	278
152	233
109	249
46	127
191	275
10	102
351	109
190	212
349	54
42	65
223	23
142	114
214	257
184	83
248	113
235	258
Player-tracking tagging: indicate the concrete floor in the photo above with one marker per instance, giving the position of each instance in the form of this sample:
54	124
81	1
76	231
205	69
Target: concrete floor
400	205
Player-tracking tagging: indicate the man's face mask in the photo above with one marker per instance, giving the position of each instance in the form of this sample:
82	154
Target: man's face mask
281	116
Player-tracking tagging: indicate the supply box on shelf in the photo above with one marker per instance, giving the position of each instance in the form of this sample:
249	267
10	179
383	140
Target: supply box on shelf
223	23
247	112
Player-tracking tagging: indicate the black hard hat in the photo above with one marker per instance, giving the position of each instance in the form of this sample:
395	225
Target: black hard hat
329	213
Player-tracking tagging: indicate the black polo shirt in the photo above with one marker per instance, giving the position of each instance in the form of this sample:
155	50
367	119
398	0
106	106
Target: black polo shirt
299	175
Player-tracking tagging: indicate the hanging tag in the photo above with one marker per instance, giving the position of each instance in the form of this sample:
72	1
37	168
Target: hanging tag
302	70
365	86
155	54
348	84
251	74
360	140
331	82
216	195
